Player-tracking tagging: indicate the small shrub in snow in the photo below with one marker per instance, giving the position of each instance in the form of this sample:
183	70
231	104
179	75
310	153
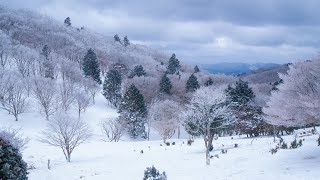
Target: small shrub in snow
224	151
190	141
167	143
173	143
295	144
11	164
151	173
284	145
236	145
274	150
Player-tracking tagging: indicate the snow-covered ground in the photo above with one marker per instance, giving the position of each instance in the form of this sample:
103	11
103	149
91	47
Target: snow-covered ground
123	160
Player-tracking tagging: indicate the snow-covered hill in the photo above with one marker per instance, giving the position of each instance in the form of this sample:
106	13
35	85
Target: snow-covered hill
98	159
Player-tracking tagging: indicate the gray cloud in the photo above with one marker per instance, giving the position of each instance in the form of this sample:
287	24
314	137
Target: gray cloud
200	31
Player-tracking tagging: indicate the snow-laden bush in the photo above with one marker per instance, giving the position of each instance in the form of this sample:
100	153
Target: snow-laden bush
151	173
14	137
318	141
11	164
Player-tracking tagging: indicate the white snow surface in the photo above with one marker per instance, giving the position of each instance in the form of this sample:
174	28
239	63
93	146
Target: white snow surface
101	160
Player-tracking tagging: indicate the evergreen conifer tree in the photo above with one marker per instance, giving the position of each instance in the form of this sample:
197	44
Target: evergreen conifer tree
91	66
133	112
47	63
126	41
209	82
117	38
137	71
165	84
240	94
196	69
67	21
192	84
174	65
11	164
112	87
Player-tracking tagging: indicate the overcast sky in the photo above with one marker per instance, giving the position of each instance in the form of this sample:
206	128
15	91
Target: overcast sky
200	31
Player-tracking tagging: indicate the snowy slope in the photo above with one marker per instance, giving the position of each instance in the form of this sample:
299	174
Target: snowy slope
100	160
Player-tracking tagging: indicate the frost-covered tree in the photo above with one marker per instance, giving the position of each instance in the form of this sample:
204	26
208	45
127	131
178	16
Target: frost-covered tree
164	117
12	165
90	66
137	71
165	84
126	41
13	97
207	115
82	100
66	133
112	87
297	100
113	129
91	87
133	112
45	91
67	22
192	84
5	49
14	137
173	65
66	95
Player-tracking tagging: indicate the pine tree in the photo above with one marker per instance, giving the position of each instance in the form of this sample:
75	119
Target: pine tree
67	22
249	115
117	38
137	71
47	63
91	66
165	84
209	82
133	112
11	164
112	87
192	84
196	69
240	94
174	65
126	41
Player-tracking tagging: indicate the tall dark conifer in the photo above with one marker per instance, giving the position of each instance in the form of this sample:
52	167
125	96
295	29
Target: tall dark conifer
91	66
192	84
133	112
165	84
112	87
173	65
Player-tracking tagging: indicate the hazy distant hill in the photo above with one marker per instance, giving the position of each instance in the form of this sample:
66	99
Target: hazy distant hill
235	68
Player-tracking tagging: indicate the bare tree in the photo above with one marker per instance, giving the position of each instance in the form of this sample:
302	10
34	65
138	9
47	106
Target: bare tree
66	133
44	90
207	115
82	100
14	97
113	129
92	87
5	49
164	117
66	94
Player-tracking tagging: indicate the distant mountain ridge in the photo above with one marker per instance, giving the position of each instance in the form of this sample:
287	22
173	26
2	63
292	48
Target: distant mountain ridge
236	68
